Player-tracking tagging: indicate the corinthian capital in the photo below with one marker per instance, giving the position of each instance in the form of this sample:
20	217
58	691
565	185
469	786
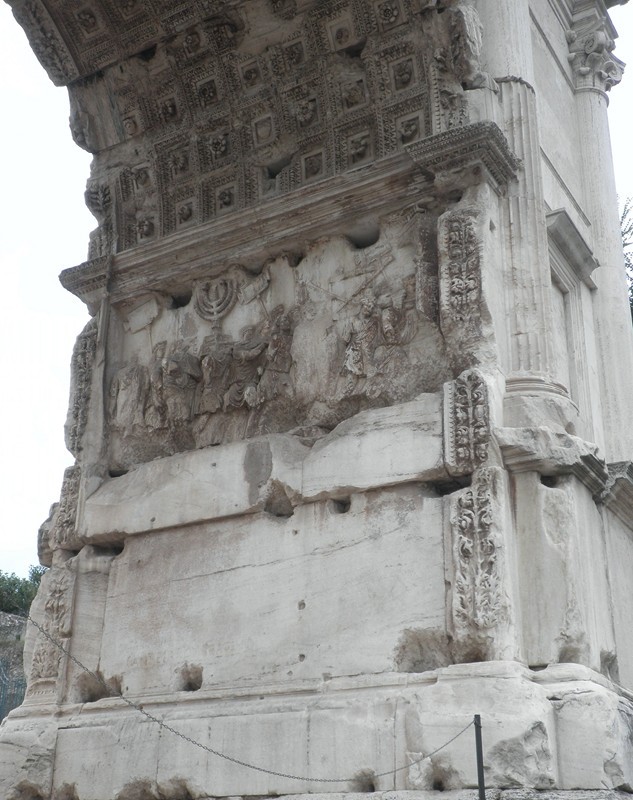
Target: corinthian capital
591	43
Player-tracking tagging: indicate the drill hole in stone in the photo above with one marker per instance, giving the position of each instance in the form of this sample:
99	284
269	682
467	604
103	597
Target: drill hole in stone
190	678
364	235
275	167
340	506
277	502
450	485
354	50
148	54
90	688
364	781
107	551
180	300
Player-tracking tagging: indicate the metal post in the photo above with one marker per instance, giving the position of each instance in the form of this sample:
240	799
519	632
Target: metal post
480	758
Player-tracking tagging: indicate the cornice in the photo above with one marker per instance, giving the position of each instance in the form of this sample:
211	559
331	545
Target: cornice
617	495
566	236
551	453
288	223
480	145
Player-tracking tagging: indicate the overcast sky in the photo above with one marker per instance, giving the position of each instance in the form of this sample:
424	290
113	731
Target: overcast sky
45	228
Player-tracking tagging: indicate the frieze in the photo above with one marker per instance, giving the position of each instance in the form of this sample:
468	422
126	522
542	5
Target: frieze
239	360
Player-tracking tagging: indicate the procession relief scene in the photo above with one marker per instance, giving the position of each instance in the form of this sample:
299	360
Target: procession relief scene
297	346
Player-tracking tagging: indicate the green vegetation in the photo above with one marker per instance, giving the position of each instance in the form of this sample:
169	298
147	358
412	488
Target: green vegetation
16	594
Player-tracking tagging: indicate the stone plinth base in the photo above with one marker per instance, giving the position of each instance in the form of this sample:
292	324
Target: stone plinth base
545	730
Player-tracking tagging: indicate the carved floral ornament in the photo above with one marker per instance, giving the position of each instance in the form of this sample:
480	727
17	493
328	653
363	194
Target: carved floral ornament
467	423
479	601
591	58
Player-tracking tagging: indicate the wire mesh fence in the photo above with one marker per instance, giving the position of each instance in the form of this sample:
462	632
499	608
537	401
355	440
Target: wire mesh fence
12	691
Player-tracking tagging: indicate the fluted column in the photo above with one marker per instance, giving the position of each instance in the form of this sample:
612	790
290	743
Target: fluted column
596	71
507	46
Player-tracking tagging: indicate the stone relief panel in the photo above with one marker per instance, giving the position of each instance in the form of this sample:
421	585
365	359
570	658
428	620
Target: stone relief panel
465	317
58	531
467	423
55	600
196	114
479	603
80	386
291	348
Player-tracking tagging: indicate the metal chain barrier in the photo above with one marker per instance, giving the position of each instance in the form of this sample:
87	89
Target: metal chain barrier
232	759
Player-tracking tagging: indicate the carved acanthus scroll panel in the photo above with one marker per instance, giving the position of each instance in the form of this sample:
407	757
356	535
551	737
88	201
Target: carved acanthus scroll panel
466	423
480	615
292	348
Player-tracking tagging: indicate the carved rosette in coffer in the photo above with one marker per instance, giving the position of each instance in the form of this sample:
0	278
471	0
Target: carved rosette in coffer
195	115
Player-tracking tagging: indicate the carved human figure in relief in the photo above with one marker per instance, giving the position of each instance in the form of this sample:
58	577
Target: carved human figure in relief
155	411
246	369
397	325
181	375
215	361
275	378
129	391
360	334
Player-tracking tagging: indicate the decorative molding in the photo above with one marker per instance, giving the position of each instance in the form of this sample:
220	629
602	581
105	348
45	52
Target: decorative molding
46	41
466	423
617	495
88	281
478	598
591	42
550	453
479	145
566	236
461	270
